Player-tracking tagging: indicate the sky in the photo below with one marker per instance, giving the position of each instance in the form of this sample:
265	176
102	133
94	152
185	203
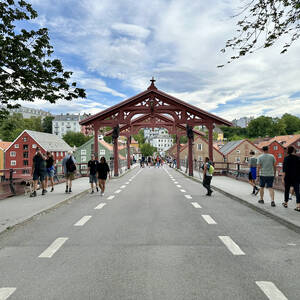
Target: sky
115	47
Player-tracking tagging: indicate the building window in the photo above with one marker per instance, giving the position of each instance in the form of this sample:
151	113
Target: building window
12	154
16	146
298	144
275	147
25	139
238	159
25	147
102	152
33	146
238	151
13	162
25	162
246	159
61	154
83	158
199	146
25	171
25	154
279	155
83	152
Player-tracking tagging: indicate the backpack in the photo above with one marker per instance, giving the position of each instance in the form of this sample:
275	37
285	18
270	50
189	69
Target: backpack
70	165
211	169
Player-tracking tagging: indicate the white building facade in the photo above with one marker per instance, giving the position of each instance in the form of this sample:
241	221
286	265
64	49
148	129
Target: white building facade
159	138
64	123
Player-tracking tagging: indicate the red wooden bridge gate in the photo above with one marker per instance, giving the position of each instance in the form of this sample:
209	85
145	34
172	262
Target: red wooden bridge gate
154	109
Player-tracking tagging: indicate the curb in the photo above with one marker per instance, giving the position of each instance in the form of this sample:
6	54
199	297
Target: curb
44	211
262	211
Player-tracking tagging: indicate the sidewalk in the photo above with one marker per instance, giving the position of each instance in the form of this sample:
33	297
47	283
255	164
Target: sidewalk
18	209
241	191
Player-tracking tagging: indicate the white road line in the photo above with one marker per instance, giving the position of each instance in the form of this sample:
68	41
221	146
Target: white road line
118	191
50	251
231	245
110	197
127	182
123	186
101	205
188	196
196	205
82	221
208	219
178	185
270	290
5	293
183	191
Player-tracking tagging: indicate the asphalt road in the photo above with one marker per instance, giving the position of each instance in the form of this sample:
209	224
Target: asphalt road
159	237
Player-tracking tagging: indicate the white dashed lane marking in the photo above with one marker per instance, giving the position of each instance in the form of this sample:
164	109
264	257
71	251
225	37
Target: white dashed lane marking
231	245
178	185
209	219
183	191
101	205
118	191
54	247
110	197
270	290
82	221
196	205
188	196
123	186
6	292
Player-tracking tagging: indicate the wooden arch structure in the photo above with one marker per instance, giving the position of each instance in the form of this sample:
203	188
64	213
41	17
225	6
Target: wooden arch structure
154	109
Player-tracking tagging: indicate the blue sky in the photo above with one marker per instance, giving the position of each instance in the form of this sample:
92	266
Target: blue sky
115	47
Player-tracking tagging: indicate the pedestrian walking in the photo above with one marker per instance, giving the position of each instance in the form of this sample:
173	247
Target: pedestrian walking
69	170
291	176
252	172
266	169
38	172
92	166
208	170
103	171
50	170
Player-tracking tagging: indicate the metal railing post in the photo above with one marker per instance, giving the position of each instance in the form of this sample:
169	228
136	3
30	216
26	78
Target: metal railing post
11	185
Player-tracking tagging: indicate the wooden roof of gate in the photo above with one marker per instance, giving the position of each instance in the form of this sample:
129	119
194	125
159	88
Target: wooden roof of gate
153	101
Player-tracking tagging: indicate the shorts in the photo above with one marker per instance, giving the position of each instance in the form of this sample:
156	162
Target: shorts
252	173
93	178
266	181
70	175
39	176
102	177
50	173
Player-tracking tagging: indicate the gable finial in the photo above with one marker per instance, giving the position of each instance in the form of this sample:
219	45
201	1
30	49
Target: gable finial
152	85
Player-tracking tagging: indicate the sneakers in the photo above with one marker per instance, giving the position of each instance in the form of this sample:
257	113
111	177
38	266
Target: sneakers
33	194
273	204
261	201
97	189
66	189
52	189
44	192
92	192
70	191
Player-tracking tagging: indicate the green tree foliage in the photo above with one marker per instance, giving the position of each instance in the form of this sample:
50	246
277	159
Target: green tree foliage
140	137
292	123
262	23
15	124
230	132
108	139
75	138
147	149
26	70
47	124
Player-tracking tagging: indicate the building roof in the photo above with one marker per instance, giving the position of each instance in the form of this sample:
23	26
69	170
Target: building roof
5	145
48	141
286	140
268	143
227	148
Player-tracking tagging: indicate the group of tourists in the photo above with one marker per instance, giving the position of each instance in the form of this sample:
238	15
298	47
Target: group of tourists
263	171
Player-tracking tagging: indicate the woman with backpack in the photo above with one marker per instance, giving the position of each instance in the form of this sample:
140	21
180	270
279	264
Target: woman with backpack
208	170
103	171
69	170
50	170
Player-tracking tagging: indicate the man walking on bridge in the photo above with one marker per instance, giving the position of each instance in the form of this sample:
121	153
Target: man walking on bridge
207	175
266	169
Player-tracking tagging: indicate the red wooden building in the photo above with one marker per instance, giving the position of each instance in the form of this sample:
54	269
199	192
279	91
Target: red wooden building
21	152
276	149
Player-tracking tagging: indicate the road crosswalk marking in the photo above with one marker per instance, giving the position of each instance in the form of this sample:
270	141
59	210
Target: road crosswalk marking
6	292
82	221
54	247
231	245
270	290
209	219
101	205
196	205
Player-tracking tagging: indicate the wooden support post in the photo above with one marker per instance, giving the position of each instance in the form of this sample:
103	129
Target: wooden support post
96	143
178	151
210	142
190	157
128	153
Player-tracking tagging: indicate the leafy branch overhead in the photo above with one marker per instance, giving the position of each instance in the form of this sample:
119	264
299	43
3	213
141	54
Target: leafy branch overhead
26	70
262	23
